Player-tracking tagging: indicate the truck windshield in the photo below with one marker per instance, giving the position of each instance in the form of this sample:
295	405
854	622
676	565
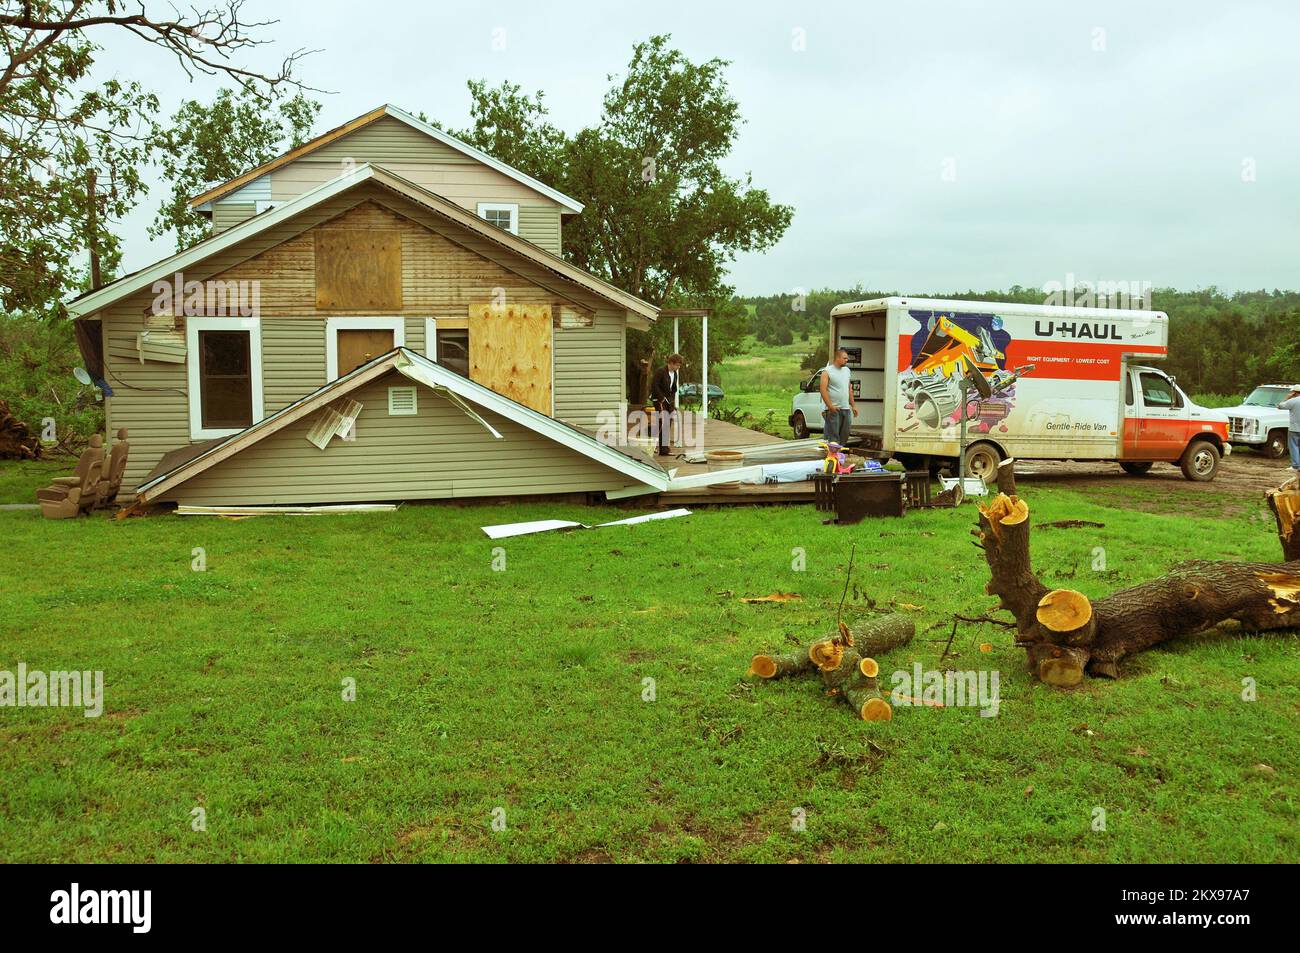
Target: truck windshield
1266	397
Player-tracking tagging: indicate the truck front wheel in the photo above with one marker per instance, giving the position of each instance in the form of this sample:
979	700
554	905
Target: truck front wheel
1275	448
1135	469
1200	461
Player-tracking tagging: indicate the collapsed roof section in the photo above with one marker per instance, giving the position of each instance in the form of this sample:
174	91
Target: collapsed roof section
478	403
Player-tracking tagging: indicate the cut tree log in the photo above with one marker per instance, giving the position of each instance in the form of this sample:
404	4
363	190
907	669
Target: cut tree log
17	442
1285	505
846	663
1065	634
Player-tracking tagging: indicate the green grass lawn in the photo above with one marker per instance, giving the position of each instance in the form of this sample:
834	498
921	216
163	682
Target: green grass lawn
523	690
20	481
765	377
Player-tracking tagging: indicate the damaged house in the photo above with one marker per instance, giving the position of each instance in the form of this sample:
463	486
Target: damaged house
380	314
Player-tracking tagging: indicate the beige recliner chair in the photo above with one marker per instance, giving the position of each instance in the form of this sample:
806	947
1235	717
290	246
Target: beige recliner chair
114	468
70	495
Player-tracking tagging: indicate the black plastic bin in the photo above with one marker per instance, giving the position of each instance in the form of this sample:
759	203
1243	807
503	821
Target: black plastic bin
859	495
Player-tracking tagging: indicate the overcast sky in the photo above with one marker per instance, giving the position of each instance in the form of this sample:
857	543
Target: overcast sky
924	146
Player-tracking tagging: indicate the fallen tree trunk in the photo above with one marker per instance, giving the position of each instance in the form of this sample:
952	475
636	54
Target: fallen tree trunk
846	663
1065	634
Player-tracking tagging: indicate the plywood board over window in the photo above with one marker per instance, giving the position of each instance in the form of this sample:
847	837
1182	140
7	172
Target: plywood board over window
510	351
358	269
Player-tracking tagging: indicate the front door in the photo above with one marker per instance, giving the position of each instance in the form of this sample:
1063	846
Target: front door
1162	428
357	346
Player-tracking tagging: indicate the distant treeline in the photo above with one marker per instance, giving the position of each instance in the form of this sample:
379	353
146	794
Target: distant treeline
1218	343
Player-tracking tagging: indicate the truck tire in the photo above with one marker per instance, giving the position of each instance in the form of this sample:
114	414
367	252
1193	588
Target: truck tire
982	461
1275	448
1133	468
1200	461
800	425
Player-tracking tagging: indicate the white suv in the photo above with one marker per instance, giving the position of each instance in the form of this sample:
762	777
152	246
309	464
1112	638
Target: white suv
1258	423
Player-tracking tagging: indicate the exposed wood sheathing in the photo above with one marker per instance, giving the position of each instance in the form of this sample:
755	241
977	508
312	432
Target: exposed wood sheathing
358	269
510	351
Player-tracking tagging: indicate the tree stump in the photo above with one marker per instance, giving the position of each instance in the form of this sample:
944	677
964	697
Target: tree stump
1065	634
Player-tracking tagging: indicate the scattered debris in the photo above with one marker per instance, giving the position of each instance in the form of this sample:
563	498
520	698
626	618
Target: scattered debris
17	442
773	597
1071	524
970	486
506	530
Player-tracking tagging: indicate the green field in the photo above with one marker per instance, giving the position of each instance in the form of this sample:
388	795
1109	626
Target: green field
765	377
522	690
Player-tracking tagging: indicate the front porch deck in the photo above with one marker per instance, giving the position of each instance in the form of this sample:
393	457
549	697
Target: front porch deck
720	435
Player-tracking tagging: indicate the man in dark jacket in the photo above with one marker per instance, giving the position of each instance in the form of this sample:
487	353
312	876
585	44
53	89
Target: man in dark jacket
663	392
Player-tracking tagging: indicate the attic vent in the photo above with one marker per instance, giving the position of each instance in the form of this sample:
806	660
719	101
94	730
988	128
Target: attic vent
401	401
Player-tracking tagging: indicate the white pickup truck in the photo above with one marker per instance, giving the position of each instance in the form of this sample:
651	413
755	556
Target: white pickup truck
1258	423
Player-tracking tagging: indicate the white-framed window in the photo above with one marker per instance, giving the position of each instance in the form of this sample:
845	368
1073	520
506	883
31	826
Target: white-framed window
360	324
502	215
448	346
224	369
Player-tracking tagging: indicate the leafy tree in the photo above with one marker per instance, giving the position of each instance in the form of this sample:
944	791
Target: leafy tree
210	143
70	169
662	220
72	147
36	362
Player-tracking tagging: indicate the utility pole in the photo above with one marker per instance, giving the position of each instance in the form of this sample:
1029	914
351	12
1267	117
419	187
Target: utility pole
92	229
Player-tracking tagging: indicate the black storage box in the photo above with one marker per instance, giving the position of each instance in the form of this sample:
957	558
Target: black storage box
859	495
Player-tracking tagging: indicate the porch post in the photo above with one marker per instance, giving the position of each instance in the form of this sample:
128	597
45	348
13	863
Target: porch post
704	389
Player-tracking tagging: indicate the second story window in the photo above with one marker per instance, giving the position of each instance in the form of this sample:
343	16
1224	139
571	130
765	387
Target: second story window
500	215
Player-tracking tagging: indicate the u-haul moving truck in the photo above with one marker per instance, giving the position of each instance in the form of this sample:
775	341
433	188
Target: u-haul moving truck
1066	383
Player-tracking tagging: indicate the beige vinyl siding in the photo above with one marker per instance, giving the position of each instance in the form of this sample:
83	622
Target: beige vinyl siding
437	453
445	269
390	140
466	185
293	360
150	399
540	225
226	214
589	369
